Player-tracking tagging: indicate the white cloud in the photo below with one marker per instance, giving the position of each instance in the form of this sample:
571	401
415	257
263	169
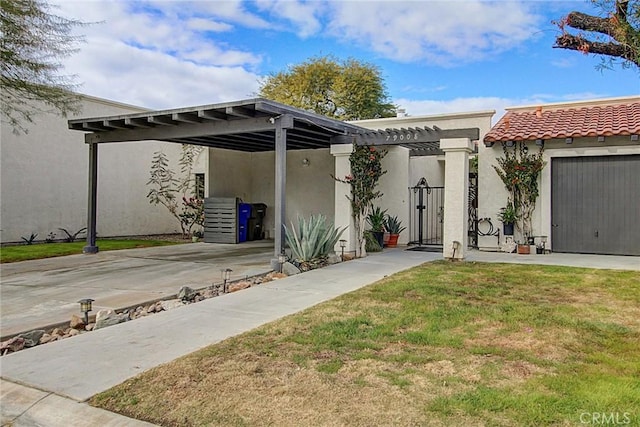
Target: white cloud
301	14
156	59
201	24
434	31
155	80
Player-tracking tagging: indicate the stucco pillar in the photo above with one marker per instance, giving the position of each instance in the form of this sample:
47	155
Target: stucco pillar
343	214
92	208
456	196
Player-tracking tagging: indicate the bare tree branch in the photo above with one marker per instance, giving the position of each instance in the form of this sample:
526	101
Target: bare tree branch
616	36
571	42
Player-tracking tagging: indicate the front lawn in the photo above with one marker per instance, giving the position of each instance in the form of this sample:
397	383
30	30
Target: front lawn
49	250
441	344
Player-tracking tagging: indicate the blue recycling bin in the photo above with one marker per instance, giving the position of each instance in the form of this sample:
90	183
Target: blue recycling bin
244	213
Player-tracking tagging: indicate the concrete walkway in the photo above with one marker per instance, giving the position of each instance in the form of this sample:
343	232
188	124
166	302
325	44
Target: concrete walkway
45	385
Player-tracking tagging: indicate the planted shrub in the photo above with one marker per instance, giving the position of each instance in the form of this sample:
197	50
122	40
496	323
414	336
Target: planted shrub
71	237
371	243
31	239
312	239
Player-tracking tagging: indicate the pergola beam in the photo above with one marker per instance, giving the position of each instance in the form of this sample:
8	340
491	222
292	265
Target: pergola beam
413	136
185	130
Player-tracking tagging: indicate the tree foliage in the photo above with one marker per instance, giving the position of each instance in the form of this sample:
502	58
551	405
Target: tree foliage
616	35
34	40
343	90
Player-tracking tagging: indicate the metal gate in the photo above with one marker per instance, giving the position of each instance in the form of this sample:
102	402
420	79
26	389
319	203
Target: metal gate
426	216
473	210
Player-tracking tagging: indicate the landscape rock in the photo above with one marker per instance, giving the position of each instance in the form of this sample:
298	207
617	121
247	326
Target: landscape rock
171	304
290	269
113	319
90	327
333	259
76	322
73	332
209	293
57	332
238	286
104	313
186	293
32	338
151	308
46	338
12	344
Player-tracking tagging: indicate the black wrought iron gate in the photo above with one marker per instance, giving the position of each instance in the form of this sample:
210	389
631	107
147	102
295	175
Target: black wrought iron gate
473	210
426	216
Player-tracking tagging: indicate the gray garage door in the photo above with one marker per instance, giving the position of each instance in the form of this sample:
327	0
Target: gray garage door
595	204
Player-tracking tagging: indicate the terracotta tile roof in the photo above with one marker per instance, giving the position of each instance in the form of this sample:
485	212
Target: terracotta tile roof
588	121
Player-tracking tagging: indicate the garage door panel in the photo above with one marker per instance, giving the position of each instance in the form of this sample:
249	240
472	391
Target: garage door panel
596	204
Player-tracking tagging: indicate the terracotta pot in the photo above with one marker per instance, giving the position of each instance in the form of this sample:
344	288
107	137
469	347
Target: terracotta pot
386	239
524	249
393	240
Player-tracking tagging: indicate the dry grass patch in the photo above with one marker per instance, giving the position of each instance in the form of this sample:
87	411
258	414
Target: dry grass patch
442	344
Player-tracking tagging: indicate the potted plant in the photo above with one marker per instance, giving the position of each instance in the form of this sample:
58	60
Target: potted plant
394	227
376	220
197	235
508	216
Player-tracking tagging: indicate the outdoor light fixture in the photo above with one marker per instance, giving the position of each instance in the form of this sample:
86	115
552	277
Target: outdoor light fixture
85	307
305	162
343	244
282	258
226	275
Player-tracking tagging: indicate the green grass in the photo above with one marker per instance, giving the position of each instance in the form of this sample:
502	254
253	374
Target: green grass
49	250
441	344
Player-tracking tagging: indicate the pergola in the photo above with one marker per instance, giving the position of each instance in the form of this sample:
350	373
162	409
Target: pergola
253	125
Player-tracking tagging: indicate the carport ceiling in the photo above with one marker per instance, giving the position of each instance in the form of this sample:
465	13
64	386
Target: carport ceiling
247	125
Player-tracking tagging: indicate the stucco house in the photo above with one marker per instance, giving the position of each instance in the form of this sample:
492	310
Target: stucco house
43	179
264	152
590	187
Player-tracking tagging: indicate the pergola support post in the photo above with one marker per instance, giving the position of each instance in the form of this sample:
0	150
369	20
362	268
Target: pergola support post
456	196
343	213
92	211
282	123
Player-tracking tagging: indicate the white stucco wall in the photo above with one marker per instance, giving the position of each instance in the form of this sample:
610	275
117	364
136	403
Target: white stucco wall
251	176
44	176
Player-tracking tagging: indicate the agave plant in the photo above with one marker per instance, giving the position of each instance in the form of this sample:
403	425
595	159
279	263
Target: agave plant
393	225
312	239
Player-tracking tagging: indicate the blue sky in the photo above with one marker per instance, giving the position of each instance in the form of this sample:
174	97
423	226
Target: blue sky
436	56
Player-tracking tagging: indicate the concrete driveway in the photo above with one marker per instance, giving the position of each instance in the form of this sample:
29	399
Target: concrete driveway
45	292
